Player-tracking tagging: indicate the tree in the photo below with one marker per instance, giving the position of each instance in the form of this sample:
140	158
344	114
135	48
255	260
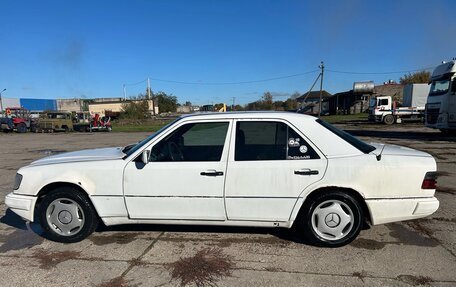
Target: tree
267	101
278	105
290	104
415	78
166	103
136	110
238	108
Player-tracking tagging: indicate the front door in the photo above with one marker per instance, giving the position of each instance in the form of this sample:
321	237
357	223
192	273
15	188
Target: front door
185	176
271	165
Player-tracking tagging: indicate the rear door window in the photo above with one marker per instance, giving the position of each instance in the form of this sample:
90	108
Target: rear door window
269	140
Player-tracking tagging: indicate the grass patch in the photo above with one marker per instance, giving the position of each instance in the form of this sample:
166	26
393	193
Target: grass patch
345	118
139	125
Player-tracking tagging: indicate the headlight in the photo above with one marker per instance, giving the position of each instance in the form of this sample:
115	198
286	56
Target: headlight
17	181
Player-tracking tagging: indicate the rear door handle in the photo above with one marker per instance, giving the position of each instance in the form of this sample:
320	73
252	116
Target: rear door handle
211	173
306	172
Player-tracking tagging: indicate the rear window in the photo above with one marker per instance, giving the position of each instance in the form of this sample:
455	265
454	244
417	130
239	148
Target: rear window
362	146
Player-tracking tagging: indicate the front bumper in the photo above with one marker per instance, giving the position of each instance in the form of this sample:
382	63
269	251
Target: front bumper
22	205
392	210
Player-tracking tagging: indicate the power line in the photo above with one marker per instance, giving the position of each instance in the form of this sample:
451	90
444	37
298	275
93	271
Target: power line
137	83
277	78
233	83
379	73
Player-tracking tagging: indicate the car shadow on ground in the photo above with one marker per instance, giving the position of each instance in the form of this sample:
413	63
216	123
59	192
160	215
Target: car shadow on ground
33	229
279	235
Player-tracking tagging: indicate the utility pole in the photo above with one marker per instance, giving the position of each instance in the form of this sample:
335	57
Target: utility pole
1	104
149	96
232	108
125	92
322	67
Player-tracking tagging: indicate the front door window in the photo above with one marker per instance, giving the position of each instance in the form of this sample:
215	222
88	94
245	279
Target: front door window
192	142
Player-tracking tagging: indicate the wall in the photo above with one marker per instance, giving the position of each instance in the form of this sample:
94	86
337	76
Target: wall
70	105
9	103
116	107
39	105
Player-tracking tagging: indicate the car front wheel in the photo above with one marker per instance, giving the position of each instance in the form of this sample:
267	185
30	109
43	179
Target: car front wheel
66	215
331	219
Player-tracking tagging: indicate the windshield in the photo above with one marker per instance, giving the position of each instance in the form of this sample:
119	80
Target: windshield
130	149
439	87
362	146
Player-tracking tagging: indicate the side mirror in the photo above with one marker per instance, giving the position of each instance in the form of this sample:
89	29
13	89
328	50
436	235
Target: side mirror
145	156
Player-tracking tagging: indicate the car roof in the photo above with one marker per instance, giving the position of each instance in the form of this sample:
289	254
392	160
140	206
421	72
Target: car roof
249	114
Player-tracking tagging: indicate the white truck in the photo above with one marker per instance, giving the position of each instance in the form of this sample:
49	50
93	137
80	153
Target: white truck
441	102
384	109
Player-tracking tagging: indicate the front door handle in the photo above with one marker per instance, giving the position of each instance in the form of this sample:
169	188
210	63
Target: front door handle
211	173
306	172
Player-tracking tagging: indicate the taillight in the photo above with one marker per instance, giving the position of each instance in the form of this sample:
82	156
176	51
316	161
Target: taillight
430	180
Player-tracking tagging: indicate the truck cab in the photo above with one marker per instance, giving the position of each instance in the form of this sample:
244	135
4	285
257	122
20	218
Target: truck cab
380	109
441	101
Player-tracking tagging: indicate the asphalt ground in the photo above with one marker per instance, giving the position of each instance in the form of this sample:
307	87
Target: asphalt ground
412	253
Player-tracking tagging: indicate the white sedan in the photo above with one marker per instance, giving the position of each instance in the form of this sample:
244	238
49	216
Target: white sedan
270	169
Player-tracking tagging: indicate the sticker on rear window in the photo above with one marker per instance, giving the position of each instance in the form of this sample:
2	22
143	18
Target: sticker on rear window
294	142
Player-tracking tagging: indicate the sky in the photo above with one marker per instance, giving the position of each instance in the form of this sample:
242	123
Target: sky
208	51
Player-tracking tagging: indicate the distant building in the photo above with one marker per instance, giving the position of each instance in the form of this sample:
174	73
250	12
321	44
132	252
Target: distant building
184	109
352	103
70	105
101	100
114	108
396	91
34	105
102	106
309	103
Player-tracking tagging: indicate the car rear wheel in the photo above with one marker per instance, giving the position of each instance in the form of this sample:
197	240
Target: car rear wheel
331	219
66	215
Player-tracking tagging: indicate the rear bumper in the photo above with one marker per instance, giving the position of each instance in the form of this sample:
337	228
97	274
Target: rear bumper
391	210
22	205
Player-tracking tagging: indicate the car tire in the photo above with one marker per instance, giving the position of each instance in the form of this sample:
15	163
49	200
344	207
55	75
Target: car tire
388	119
330	219
67	215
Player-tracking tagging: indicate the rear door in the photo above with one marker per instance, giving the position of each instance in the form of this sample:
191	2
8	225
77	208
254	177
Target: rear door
271	165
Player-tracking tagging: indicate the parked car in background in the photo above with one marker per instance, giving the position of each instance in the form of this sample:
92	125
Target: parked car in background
55	121
269	169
